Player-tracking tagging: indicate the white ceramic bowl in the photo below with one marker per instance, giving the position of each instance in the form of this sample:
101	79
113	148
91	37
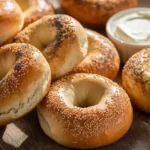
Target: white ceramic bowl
126	50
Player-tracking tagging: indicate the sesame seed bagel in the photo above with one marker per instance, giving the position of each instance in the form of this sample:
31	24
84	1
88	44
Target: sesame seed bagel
85	111
11	19
102	57
136	79
95	12
61	39
24	80
35	9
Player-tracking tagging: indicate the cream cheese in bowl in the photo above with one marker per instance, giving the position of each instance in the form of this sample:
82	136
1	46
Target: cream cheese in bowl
130	31
134	28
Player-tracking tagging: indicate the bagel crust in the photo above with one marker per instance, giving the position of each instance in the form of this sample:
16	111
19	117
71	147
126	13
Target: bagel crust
102	57
24	80
11	19
95	12
35	9
61	39
85	111
136	79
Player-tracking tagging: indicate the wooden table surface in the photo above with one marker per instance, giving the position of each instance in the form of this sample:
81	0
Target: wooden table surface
26	133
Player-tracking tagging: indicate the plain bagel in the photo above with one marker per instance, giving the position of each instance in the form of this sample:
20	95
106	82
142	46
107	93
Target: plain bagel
35	9
24	80
85	111
136	79
95	12
102	57
61	39
11	20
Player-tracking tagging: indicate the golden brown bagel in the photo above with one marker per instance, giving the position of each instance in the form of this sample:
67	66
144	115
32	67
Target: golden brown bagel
136	79
11	19
24	80
61	39
102	57
95	12
35	9
85	111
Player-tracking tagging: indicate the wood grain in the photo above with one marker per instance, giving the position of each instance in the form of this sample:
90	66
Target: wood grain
26	133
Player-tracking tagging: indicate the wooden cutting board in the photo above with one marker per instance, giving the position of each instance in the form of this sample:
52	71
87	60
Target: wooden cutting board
26	133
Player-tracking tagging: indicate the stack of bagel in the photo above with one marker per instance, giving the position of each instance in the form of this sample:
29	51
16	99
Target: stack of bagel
50	61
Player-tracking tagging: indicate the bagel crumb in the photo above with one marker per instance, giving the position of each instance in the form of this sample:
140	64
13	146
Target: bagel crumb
19	53
17	67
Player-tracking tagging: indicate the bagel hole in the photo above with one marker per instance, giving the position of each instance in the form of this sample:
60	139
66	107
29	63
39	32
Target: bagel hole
43	37
6	64
23	4
88	93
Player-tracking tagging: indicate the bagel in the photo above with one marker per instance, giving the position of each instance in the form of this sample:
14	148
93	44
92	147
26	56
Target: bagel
61	39
102	57
35	9
11	20
136	79
85	111
95	12
24	80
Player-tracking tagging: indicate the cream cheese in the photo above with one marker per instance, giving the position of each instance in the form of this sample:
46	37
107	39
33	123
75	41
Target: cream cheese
133	28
